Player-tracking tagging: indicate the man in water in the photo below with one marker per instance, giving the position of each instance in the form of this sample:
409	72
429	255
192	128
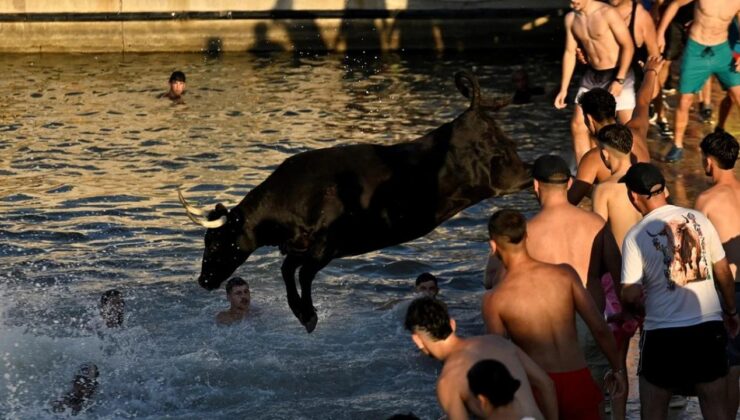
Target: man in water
426	284
707	53
83	387
535	305
721	205
177	88
111	308
599	109
674	258
239	297
433	332
606	40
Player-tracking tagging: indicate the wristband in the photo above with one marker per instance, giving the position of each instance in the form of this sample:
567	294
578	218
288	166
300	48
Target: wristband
733	313
619	80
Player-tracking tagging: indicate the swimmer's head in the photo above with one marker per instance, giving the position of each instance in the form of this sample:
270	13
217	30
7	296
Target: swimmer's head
88	371
238	293
599	108
177	76
428	315
426	284
492	384
177	83
112	308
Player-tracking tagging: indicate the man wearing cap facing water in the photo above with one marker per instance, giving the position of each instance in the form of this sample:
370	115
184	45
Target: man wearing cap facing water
239	297
674	257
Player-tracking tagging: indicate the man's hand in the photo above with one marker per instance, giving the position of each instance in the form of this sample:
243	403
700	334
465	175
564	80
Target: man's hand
616	383
732	323
560	99
661	43
615	89
580	56
654	63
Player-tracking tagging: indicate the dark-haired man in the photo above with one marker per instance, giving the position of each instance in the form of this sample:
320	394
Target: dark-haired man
536	304
239	297
598	107
426	284
433	332
84	386
177	88
674	258
721	205
494	387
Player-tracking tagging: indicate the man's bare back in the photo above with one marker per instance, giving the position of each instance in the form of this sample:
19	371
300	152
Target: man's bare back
721	204
535	305
610	202
594	32
566	234
453	378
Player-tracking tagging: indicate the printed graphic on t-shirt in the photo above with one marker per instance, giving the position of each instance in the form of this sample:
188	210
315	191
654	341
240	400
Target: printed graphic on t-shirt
681	242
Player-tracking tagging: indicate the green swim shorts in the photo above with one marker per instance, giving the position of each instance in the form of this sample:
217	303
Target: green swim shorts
701	61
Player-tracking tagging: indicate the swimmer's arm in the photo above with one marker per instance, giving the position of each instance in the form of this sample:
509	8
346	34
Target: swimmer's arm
624	39
546	398
450	400
491	317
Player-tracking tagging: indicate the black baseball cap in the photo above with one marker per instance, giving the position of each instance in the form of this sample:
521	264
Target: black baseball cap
644	179
551	169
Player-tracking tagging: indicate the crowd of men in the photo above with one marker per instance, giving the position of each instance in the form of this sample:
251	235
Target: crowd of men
570	287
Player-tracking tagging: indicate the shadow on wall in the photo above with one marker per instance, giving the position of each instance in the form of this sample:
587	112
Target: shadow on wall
304	34
213	47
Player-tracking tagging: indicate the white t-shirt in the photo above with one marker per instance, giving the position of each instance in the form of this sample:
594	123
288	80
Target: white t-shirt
671	252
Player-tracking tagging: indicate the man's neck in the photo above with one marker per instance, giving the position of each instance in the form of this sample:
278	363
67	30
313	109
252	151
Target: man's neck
620	165
550	199
450	346
510	411
599	125
724	177
590	7
513	258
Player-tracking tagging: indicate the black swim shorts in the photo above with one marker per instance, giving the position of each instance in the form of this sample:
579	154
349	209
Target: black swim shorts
679	358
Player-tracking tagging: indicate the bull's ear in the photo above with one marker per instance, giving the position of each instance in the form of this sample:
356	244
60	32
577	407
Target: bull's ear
219	211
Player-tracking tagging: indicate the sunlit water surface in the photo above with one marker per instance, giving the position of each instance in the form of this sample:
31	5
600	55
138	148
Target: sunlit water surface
90	161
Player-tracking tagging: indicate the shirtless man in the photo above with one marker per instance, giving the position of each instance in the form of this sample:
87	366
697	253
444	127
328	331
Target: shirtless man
707	53
237	293
610	202
535	305
598	107
83	387
641	27
433	332
721	205
606	40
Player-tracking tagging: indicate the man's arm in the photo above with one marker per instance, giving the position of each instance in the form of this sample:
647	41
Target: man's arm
569	61
649	33
547	398
586	176
640	121
632	271
726	286
494	323
450	400
668	15
626	47
586	308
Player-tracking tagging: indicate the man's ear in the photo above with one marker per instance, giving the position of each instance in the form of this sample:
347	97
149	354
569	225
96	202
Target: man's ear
492	245
485	405
536	188
453	324
570	182
417	340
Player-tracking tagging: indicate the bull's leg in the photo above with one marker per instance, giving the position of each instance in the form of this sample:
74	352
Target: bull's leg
306	275
290	264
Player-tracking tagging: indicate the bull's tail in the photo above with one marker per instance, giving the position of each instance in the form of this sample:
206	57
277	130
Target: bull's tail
460	78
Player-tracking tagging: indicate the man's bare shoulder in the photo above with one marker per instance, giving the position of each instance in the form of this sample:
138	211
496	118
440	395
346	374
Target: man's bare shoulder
718	195
225	318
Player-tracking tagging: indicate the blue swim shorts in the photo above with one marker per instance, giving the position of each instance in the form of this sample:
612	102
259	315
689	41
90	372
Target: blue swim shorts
701	61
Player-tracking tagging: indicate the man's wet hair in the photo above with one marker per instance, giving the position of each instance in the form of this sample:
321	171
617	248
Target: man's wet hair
598	104
723	147
425	277
429	315
233	282
510	224
493	380
177	76
617	137
109	295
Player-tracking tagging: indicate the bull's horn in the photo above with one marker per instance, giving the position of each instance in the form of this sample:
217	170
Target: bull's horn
475	96
190	209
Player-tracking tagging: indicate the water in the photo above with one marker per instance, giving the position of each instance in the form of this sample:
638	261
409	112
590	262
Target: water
90	161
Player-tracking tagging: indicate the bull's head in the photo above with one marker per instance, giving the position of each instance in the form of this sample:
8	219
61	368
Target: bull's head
507	171
227	242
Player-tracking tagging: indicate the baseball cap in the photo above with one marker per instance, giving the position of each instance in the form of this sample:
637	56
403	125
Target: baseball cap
551	169
644	179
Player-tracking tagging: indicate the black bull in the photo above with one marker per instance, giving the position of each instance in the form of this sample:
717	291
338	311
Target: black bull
349	200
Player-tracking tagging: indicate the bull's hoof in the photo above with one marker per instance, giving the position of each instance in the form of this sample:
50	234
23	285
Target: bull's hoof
310	324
